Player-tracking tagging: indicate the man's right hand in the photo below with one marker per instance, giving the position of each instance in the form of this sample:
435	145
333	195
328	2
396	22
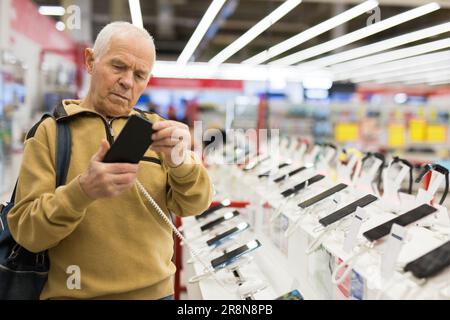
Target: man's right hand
101	180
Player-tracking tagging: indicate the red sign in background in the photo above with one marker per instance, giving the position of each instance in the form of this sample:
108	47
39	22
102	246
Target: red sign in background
26	20
175	83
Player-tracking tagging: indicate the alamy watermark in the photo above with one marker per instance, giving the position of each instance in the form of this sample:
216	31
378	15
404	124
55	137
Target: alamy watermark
74	280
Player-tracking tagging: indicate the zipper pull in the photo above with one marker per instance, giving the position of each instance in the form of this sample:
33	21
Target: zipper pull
111	132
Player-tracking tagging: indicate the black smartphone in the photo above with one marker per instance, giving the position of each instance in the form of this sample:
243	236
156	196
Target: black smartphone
211	210
225	217
311	201
266	174
348	209
403	220
302	185
220	238
132	142
431	263
229	257
290	174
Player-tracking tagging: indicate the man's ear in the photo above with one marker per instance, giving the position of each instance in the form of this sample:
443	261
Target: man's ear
89	59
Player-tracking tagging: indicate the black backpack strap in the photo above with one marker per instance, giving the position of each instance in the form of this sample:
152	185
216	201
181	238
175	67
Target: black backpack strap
63	149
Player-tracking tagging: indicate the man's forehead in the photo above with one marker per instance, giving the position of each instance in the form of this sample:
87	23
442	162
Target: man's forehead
129	48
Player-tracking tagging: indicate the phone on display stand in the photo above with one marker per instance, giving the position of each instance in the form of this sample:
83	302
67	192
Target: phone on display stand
431	263
402	220
230	257
348	209
227	216
295	189
312	201
219	239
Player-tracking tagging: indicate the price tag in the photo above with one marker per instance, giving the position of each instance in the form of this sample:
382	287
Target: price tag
350	240
392	250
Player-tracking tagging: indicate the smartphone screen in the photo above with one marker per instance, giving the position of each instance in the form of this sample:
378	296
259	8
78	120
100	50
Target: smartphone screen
348	209
225	217
227	234
231	256
290	174
302	185
431	263
132	142
307	203
402	220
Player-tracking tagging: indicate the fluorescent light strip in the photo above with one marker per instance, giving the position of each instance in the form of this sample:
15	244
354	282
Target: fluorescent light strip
356	35
442	77
413	77
426	59
381	45
439	83
200	31
52	10
255	31
228	71
312	32
348	67
136	14
399	74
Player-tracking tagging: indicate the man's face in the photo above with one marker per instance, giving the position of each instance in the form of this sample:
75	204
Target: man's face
120	75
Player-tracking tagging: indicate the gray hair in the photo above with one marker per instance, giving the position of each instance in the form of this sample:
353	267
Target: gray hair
105	36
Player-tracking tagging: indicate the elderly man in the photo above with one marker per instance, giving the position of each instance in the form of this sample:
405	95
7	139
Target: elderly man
99	221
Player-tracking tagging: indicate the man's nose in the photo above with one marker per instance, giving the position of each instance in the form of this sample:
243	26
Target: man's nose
126	80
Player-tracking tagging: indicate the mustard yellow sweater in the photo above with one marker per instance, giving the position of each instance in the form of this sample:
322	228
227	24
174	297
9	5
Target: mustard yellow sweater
122	247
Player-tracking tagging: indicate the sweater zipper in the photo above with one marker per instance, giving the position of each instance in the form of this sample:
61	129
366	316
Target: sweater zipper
109	131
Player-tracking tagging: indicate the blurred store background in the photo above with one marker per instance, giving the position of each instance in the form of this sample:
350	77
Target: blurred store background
373	75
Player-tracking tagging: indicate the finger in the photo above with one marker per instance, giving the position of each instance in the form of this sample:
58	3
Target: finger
162	148
163	133
174	134
121	168
123	179
168	142
100	154
168	123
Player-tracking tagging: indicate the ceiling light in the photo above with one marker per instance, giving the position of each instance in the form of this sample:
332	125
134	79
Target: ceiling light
60	26
136	14
429	76
312	32
200	31
409	71
438	83
381	45
52	10
356	35
417	61
255	31
348	67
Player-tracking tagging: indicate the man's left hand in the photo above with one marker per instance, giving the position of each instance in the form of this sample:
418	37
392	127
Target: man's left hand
173	140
